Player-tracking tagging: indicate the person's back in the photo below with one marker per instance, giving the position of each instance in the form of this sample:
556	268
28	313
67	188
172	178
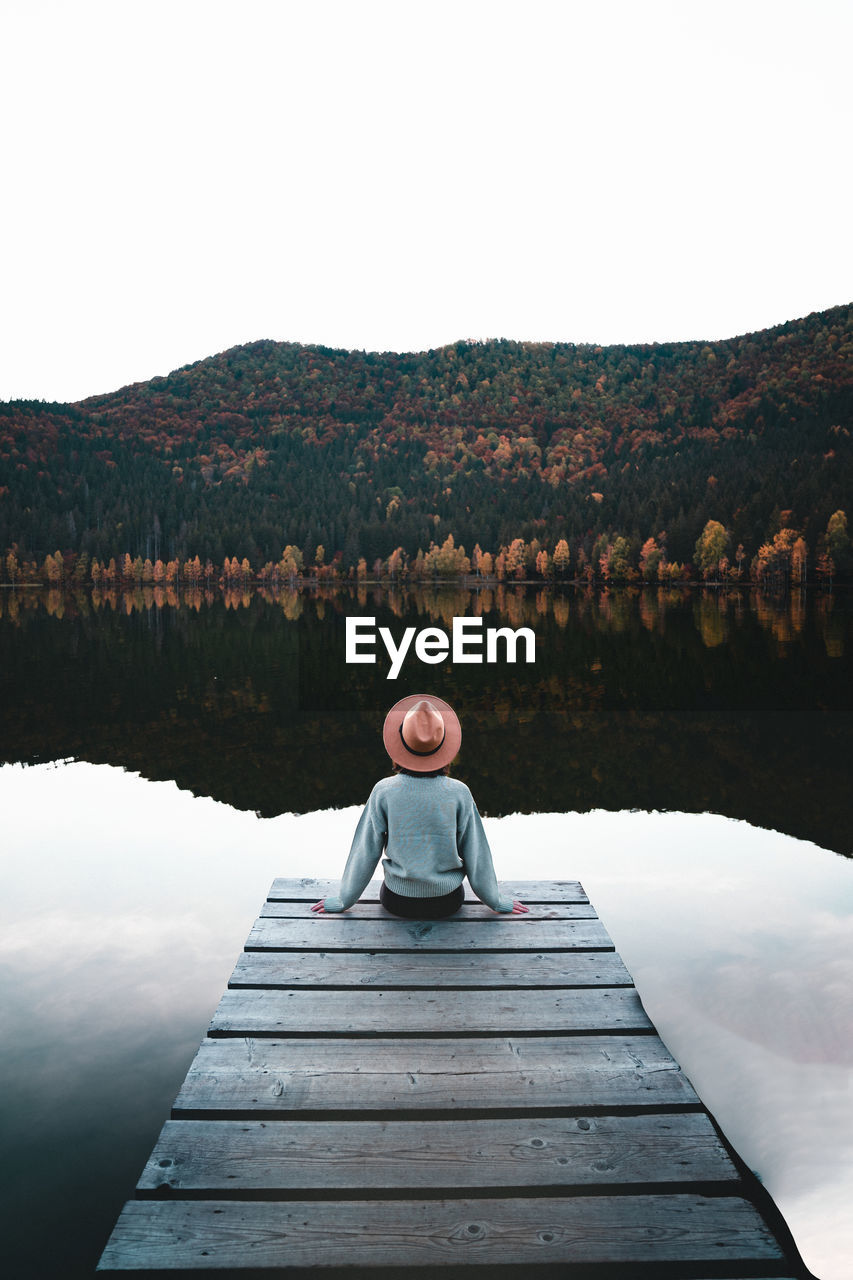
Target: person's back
424	817
426	823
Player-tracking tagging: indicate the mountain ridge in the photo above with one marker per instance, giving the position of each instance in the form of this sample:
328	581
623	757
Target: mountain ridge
445	346
267	445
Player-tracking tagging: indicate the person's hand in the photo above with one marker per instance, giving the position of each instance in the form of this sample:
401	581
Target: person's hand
319	907
518	909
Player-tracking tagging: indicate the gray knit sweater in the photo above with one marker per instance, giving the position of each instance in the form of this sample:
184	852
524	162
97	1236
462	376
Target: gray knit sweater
432	836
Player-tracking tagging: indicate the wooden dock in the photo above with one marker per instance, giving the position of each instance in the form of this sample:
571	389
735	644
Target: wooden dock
381	1096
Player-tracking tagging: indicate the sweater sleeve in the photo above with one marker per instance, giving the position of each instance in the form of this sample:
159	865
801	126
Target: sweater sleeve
367	845
476	855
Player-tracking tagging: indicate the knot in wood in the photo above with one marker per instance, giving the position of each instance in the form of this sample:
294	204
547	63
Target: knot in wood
469	1233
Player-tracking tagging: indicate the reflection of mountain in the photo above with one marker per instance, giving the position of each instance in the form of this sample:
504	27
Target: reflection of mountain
652	699
273	444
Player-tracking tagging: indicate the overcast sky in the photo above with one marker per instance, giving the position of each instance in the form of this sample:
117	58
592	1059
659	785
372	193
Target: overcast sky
182	177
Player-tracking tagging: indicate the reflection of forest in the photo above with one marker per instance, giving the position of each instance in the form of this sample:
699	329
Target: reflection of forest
645	698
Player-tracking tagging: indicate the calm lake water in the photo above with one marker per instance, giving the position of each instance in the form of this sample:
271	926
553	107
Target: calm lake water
685	754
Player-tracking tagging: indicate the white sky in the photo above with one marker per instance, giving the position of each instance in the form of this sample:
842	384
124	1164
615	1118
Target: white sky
181	177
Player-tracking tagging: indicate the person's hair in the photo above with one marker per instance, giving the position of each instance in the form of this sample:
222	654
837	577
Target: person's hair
421	773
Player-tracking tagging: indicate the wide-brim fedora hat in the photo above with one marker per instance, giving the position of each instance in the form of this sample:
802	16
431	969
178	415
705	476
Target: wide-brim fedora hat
422	733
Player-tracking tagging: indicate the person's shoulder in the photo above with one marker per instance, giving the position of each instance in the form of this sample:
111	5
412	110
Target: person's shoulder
459	788
385	784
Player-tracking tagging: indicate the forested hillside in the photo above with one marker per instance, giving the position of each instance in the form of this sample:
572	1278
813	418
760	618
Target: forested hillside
272	446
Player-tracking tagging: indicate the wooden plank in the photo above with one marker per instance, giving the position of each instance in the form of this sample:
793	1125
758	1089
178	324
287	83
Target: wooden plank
252	1157
468	911
231	1076
575	1231
500	933
278	1013
430	969
310	890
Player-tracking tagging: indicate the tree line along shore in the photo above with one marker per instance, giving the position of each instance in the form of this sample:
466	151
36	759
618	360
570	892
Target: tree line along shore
785	560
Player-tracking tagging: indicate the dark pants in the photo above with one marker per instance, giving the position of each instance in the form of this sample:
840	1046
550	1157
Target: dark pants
421	908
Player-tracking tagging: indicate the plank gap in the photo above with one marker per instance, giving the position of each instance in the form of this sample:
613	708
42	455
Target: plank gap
433	1113
276	1033
456	986
533	949
544	1191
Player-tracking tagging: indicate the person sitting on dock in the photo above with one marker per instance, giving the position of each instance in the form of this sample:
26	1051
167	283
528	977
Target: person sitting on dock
425	821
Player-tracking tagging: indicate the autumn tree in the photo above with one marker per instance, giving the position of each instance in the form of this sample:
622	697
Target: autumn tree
824	564
515	558
838	540
600	558
619	560
448	560
740	556
833	548
650	558
799	558
54	568
292	563
710	548
561	557
396	563
774	563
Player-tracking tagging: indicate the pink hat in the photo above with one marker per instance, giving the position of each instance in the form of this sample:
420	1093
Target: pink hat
422	733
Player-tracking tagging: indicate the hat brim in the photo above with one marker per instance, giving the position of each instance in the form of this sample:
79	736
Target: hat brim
400	753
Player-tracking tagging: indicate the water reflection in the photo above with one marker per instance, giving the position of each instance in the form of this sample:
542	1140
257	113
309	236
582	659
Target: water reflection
713	608
118	938
655	699
742	951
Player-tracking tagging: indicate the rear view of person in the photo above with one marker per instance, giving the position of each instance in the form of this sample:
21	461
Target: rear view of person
424	821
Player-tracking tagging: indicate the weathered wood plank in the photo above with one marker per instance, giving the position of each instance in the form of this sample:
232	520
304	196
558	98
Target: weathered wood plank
469	911
245	1157
576	1231
430	969
500	933
364	1012
529	891
231	1076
